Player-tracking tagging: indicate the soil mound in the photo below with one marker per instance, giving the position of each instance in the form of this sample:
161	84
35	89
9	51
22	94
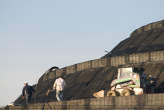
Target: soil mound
147	38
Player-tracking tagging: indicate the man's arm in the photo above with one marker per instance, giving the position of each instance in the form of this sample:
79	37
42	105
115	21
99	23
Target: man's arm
53	89
23	91
54	86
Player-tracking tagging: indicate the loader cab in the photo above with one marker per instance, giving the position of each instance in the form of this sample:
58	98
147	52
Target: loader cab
124	72
129	72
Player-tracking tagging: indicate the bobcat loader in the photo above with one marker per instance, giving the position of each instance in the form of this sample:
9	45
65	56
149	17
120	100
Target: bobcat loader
127	82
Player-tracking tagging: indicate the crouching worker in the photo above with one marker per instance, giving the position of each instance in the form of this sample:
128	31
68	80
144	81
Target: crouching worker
27	92
59	86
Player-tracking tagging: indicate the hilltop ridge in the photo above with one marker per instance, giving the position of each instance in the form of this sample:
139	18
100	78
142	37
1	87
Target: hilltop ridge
144	39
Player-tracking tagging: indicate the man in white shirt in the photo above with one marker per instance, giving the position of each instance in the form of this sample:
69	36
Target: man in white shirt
59	85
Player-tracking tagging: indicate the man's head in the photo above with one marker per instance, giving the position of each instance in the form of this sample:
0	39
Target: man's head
26	83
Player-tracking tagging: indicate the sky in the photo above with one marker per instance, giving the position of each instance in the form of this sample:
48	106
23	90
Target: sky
38	34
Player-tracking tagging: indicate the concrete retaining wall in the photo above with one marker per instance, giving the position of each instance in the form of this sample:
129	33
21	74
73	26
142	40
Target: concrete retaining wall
144	102
137	58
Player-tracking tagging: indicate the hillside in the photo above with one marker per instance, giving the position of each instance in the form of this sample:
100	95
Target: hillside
83	84
147	38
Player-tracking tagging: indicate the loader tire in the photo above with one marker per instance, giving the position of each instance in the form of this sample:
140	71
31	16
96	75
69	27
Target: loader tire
126	92
112	93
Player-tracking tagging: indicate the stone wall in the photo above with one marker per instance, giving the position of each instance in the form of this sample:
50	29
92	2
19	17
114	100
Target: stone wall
138	58
143	102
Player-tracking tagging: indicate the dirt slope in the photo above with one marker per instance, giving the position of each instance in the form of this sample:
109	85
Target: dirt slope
83	84
79	85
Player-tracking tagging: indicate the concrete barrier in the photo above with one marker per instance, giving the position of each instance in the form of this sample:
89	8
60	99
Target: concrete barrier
136	58
71	69
99	63
84	66
118	60
157	56
143	102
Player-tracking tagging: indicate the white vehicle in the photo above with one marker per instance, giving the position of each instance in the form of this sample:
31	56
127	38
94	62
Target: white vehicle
127	83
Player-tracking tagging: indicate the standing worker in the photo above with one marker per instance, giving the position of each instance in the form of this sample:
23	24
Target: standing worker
59	86
27	92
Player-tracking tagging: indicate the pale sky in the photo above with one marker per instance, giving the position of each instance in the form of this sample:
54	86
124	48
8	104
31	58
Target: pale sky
38	34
